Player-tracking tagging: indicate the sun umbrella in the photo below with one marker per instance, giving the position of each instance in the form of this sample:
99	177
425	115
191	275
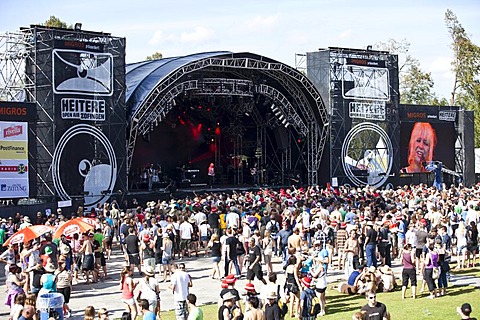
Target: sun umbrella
73	226
28	233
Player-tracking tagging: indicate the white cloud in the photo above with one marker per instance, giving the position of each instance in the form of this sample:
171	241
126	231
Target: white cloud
345	34
262	22
441	65
199	34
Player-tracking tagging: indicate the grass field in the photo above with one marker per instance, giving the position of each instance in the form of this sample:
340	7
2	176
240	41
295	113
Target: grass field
341	307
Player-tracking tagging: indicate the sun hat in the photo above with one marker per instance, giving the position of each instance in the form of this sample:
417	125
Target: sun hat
224	285
49	267
271	295
250	287
230	279
306	281
228	296
146	238
48	250
65	250
149	271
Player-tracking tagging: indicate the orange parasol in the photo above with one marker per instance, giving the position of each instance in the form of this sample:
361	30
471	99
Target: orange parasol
27	234
77	225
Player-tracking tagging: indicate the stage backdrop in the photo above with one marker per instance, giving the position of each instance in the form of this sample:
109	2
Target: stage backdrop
80	92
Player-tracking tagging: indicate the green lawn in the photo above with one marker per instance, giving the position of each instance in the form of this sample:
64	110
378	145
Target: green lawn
342	307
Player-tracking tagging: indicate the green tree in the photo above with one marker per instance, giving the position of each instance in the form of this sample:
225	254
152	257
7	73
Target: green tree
55	22
157	55
416	86
466	68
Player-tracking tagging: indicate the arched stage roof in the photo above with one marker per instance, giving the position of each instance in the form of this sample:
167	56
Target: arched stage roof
151	88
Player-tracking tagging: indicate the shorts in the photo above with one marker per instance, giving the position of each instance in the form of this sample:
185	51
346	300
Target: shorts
77	263
267	258
130	302
321	290
216	259
256	271
181	310
66	292
167	260
108	242
88	262
134	259
418	252
185	244
203	238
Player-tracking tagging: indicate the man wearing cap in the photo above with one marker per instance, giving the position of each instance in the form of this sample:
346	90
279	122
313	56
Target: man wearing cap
272	309
226	310
25	223
186	230
306	298
464	311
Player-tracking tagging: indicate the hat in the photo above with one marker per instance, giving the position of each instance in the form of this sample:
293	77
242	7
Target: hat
343	225
192	220
224	285
228	296
385	270
423	221
230	279
48	250
250	287
169	227
146	238
149	271
26	219
65	250
306	281
272	295
372	269
165	235
49	267
466	309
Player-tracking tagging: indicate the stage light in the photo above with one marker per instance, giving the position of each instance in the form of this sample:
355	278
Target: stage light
78	26
247	114
282	118
287	124
326	124
369	47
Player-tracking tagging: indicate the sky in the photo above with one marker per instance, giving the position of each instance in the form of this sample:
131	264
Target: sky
278	29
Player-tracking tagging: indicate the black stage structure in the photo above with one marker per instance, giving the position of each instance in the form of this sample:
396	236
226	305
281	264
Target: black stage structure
258	120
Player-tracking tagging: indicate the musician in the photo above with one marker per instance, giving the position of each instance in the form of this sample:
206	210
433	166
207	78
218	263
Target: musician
150	173
421	147
211	174
254	174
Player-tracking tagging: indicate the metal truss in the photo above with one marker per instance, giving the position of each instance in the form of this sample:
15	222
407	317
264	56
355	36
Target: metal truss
316	116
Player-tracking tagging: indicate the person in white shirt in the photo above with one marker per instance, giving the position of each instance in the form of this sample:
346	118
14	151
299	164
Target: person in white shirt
233	219
186	231
180	284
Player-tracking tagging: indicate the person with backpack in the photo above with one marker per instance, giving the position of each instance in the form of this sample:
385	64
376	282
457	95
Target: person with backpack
309	303
272	309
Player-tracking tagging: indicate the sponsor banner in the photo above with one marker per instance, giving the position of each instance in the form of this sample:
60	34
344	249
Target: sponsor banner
13	131
366	62
83	109
14	188
21	111
17	150
413	113
79	45
367	110
10	169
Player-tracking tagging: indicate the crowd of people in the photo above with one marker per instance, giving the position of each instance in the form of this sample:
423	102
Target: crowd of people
359	231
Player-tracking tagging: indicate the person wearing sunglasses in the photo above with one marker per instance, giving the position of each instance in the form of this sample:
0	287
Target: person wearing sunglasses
375	310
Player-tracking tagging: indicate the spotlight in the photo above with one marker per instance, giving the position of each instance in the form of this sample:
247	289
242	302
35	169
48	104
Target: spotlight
78	26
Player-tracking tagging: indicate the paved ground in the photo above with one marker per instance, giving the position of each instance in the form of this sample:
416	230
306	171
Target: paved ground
106	294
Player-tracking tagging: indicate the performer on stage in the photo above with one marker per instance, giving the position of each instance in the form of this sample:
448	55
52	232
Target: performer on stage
211	175
421	147
150	172
254	173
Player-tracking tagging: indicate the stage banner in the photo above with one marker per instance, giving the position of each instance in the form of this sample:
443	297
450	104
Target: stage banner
14	182
89	99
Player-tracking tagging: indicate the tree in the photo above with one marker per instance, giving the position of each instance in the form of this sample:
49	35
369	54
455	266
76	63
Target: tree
416	86
55	22
466	69
157	55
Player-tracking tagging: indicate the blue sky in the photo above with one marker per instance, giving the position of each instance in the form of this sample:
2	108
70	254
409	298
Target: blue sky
277	29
